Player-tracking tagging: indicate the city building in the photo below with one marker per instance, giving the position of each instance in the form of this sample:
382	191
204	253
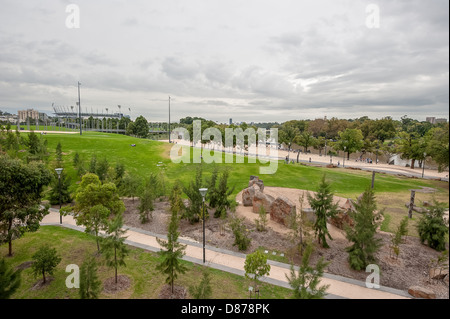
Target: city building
30	113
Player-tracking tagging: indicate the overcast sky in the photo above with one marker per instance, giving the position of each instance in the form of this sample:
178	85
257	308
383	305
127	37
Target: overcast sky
250	60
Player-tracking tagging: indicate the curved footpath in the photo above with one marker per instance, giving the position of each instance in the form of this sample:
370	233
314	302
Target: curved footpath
340	287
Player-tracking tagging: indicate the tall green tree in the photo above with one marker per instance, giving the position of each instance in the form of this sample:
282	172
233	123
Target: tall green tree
287	135
438	146
140	127
350	140
60	188
193	211
59	152
21	187
10	280
171	250
113	245
366	220
305	283
324	208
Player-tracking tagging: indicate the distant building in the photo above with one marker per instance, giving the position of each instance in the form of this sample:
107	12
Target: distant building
30	113
231	121
441	120
434	120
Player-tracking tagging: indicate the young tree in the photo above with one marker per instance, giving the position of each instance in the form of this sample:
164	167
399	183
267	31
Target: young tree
130	185
90	285
113	245
172	250
21	188
9	280
306	282
194	210
203	290
261	222
362	235
59	153
256	266
76	160
299	227
45	261
240	233
101	169
95	202
146	206
222	203
433	228
323	206
60	189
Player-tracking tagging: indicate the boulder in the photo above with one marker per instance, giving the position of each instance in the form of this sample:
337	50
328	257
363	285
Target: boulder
421	292
247	195
254	180
261	199
341	219
281	210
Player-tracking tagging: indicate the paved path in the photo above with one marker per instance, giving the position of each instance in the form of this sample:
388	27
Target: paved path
340	287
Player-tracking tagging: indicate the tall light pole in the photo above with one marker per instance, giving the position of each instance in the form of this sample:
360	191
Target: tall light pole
203	193
79	105
423	163
119	119
169	122
343	159
59	171
106	119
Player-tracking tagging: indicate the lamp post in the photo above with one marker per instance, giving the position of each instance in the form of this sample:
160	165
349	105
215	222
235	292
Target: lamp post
203	193
58	171
343	159
423	163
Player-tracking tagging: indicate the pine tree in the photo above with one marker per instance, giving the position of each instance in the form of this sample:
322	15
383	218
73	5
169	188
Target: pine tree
9	280
59	153
113	246
173	250
306	282
60	188
146	206
194	211
362	235
323	206
222	192
89	283
203	290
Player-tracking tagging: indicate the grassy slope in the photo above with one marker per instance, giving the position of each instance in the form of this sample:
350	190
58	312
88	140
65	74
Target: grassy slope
72	246
392	191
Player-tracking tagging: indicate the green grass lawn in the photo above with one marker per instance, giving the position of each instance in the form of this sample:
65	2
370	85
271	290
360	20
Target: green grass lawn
146	281
392	191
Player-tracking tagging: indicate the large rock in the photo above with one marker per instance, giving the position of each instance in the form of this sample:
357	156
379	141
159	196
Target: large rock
248	194
341	219
254	180
281	210
438	273
420	292
261	199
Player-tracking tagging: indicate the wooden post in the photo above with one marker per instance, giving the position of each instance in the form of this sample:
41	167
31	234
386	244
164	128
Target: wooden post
411	203
373	179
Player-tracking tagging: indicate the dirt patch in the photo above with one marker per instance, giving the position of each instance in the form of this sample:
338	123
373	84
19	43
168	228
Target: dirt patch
24	265
111	287
411	268
178	292
40	283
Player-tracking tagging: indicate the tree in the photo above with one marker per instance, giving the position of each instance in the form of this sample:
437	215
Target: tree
306	139
113	245
45	261
287	135
94	203
60	188
21	187
351	140
90	285
9	280
203	290
306	282
256	266
324	208
261	222
194	210
222	192
146	204
240	233
362	235
433	228
140	127
438	146
59	153
172	250
299	227
130	185
102	169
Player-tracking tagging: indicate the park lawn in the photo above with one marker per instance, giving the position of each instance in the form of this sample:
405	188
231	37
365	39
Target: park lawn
146	281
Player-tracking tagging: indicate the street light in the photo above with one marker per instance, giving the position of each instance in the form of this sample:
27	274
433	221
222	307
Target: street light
203	193
423	163
58	171
343	159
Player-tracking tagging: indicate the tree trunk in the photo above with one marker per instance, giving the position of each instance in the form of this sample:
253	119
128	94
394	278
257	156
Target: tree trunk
43	275
413	161
298	154
10	248
115	263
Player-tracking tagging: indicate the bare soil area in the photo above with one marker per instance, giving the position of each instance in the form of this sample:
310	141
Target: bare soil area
409	269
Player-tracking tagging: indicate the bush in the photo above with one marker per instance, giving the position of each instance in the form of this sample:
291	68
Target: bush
240	234
432	227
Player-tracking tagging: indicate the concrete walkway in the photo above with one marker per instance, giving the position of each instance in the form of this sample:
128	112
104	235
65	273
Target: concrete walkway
340	287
